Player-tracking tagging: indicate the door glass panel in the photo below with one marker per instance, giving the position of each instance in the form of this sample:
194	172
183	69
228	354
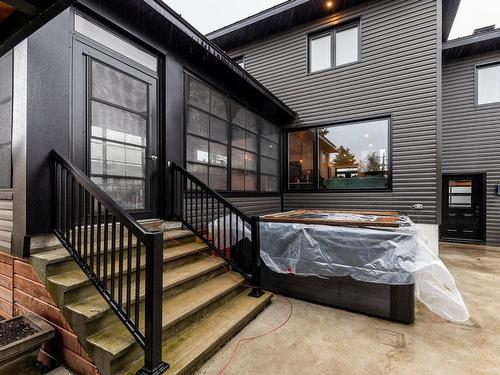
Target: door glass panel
119	119
118	88
460	193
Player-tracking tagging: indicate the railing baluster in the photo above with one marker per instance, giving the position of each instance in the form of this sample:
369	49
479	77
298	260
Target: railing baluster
80	214
106	240
219	223
185	197
224	228
63	201
85	225
236	240
92	203
74	211
213	222
129	271
113	253
68	207
137	282
120	266
196	209
99	237
191	203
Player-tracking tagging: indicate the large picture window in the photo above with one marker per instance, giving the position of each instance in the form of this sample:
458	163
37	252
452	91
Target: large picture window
354	156
348	157
6	87
220	130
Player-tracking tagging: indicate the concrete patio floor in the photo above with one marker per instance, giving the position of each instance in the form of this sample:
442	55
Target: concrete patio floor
323	340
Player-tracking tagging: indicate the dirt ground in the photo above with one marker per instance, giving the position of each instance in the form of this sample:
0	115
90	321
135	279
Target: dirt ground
323	340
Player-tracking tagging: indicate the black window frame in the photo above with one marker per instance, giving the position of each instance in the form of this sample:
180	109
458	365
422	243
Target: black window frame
229	190
316	180
10	55
332	32
478	67
187	105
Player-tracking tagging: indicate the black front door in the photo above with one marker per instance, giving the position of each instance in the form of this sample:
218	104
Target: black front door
463	207
115	132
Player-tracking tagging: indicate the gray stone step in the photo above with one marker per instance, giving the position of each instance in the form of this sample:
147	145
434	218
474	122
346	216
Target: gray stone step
114	348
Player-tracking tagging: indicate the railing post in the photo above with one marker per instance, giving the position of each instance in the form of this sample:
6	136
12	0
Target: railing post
153	363
170	201
257	290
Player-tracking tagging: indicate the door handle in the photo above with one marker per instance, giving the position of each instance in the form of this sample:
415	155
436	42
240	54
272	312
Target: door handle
153	157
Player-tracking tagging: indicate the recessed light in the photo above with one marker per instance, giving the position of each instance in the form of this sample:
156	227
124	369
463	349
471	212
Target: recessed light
370	145
367	135
329	4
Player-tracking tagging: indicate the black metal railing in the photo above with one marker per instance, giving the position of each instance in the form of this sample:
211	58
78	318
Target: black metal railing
228	231
122	259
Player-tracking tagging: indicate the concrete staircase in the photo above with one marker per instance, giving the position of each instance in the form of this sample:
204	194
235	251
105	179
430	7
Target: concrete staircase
204	305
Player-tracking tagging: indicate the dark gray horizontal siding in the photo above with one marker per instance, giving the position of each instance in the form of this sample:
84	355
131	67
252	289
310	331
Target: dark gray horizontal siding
397	77
256	206
471	135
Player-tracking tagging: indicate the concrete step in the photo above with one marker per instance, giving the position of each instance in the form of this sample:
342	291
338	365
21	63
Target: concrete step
72	286
114	348
192	347
90	314
58	260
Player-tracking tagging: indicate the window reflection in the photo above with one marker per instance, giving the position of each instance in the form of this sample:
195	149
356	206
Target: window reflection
119	112
300	160
354	156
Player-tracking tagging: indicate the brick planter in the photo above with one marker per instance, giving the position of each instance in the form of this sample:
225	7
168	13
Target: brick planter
20	356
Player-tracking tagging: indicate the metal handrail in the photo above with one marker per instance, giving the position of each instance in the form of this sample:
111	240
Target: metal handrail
83	215
217	223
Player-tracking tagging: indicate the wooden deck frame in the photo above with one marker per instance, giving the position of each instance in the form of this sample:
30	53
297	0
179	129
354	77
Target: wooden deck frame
388	219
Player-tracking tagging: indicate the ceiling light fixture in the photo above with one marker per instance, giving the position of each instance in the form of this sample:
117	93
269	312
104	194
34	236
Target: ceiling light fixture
329	4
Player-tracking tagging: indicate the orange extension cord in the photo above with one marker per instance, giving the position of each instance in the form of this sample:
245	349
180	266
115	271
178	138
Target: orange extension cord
258	336
251	338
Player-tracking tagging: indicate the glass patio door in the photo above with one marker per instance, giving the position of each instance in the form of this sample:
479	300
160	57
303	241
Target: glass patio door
120	130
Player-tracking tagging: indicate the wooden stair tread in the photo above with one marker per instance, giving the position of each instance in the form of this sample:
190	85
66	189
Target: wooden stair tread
75	278
95	305
176	233
185	351
116	339
60	254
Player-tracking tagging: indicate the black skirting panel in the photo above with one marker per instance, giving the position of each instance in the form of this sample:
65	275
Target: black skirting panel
392	302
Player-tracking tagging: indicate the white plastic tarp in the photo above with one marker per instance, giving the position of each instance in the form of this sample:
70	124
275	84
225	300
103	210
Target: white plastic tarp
390	256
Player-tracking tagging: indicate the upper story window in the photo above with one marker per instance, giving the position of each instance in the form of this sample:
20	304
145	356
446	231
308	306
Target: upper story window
488	84
6	89
336	47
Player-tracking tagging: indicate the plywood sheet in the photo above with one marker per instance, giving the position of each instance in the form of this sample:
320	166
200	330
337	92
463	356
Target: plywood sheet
337	218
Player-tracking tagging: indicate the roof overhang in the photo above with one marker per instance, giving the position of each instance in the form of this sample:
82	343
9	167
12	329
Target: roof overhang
472	45
20	18
156	23
292	13
450	9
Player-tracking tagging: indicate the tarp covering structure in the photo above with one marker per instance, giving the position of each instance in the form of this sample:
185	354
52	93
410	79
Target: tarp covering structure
396	256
